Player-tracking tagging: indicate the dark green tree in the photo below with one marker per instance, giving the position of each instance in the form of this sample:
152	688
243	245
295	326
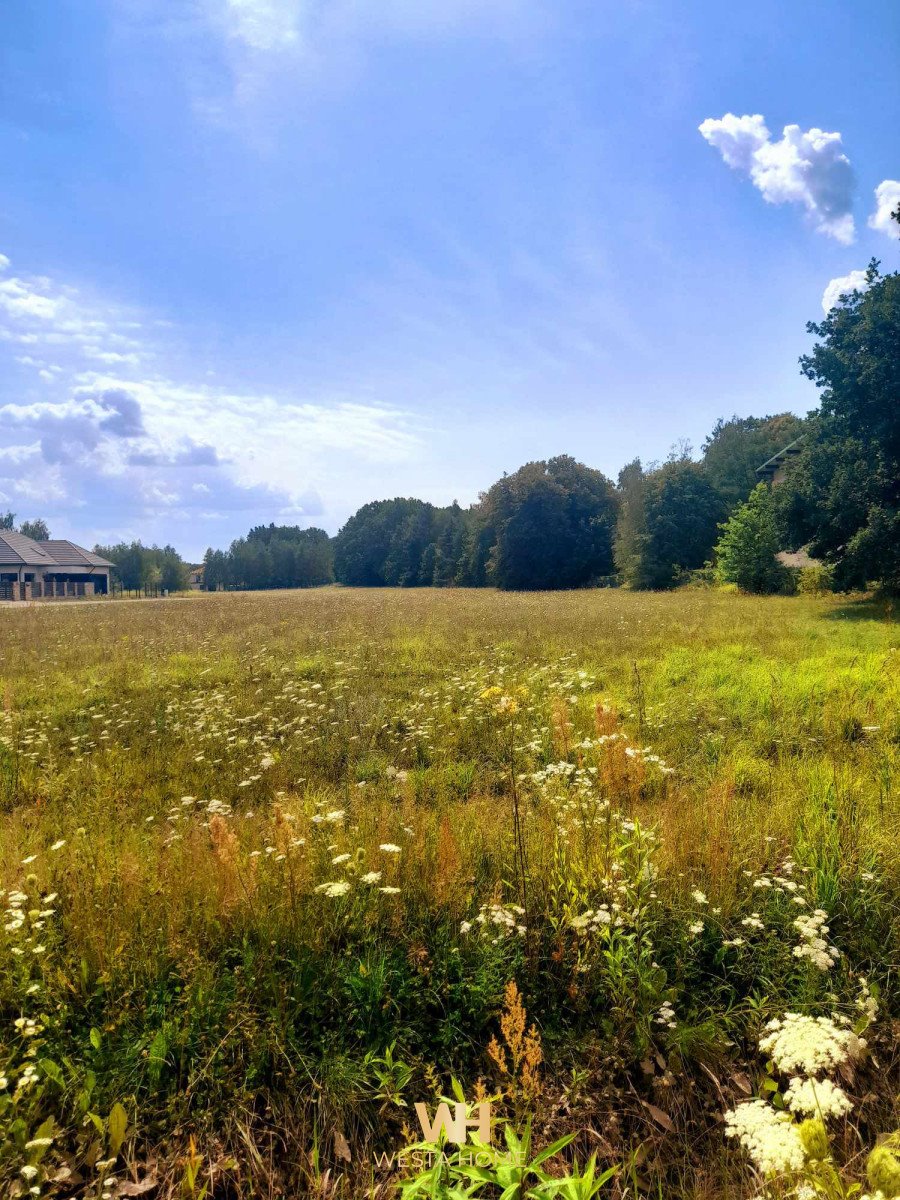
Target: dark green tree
843	494
552	523
383	543
173	571
673	520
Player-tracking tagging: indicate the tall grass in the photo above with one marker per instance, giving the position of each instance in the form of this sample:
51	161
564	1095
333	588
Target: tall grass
272	861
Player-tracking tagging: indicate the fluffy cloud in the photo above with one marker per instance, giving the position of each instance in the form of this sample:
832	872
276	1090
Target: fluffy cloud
854	281
74	429
887	201
803	167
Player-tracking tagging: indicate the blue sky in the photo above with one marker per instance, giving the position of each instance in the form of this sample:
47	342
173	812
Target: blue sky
270	259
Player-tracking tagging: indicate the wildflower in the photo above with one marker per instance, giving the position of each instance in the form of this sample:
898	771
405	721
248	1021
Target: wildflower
465	926
770	1139
335	816
390	891
699	897
58	845
389	848
340	858
809	1044
696	928
371	877
817	1098
338	888
813	945
665	1015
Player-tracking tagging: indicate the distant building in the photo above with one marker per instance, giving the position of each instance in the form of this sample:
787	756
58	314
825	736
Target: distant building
195	578
31	570
773	471
775	468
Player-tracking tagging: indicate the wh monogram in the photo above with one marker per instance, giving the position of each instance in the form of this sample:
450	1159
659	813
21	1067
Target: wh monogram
455	1127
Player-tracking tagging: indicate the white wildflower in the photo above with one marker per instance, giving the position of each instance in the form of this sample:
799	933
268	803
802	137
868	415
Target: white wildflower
821	1097
771	1139
809	1044
338	888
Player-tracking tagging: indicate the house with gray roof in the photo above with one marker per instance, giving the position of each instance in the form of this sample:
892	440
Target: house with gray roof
44	570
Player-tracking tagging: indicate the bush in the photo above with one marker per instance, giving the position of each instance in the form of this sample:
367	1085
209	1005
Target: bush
814	581
745	553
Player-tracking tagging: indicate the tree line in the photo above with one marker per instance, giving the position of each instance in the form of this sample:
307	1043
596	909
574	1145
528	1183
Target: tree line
560	524
272	556
147	569
557	523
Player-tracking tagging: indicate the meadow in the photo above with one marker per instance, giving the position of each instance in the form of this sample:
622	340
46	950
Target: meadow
277	866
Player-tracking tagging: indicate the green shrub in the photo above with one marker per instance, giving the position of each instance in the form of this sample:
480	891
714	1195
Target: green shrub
813	581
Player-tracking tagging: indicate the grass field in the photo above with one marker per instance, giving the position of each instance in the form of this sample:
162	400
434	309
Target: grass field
272	861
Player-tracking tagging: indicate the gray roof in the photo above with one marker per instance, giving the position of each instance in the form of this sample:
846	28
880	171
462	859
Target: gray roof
18	550
67	554
771	465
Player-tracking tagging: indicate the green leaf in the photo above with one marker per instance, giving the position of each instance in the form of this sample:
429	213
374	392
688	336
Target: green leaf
51	1070
558	1145
96	1039
117	1125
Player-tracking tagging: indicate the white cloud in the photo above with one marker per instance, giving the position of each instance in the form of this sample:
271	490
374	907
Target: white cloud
803	167
4	262
887	201
154	442
854	281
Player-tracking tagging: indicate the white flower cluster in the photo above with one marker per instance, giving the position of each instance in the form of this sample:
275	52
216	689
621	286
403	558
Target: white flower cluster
817	1098
339	887
770	1138
665	1015
809	1044
496	916
813	945
591	919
